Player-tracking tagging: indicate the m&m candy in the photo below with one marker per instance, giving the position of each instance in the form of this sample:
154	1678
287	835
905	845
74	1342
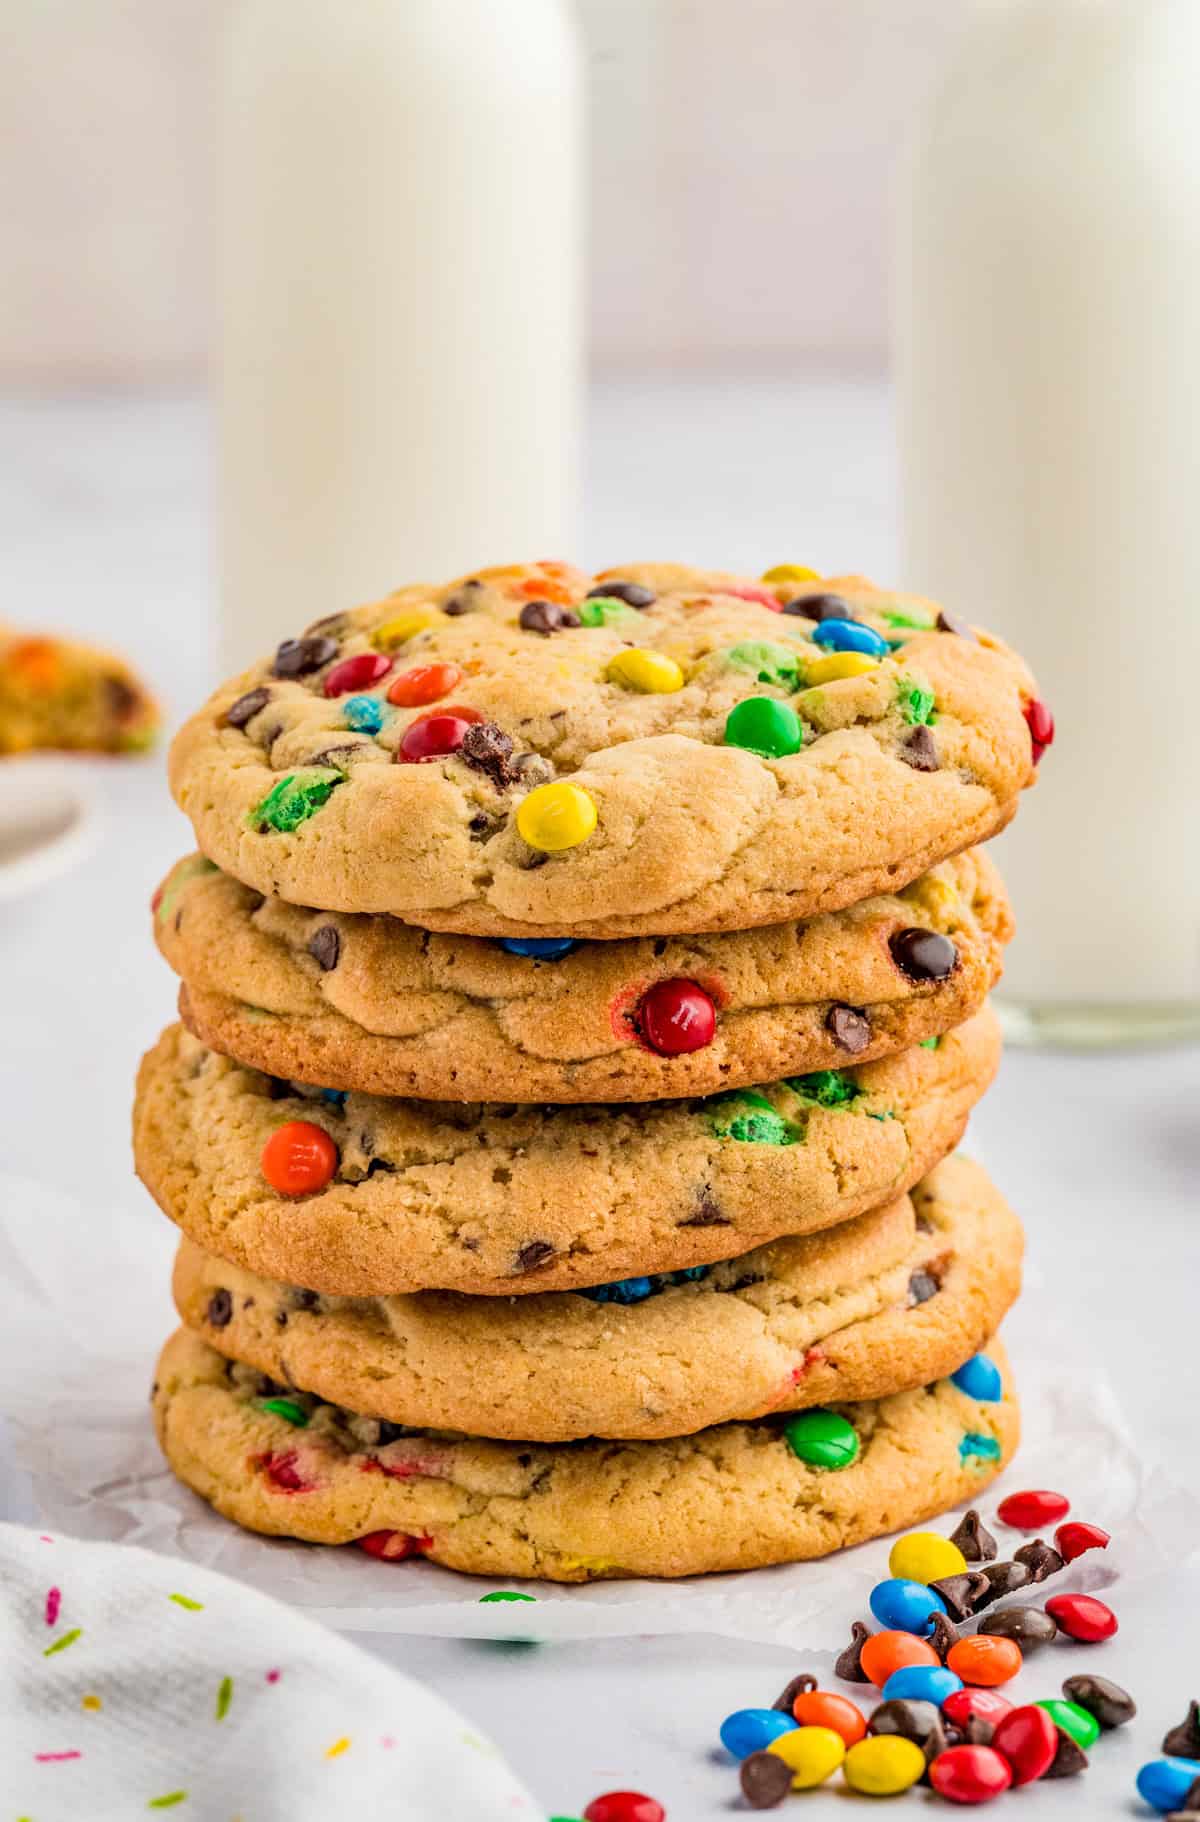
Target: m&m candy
1164	1783
433	737
1028	1739
985	1703
1073	1538
556	816
750	1730
299	1158
1040	723
986	1659
824	1708
822	1439
980	1379
650	673
791	572
925	1556
624	1806
883	1765
674	1017
1074	1721
424	683
1082	1617
540	948
850	636
884	1653
812	1754
970	1774
1033	1510
764	726
393	1546
403	627
906	1606
357	673
921	1683
837	666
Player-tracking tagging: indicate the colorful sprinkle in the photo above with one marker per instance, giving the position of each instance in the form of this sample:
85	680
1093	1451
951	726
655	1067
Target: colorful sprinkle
68	1638
53	1603
92	1703
339	1746
169	1801
224	1697
55	1758
273	1676
185	1601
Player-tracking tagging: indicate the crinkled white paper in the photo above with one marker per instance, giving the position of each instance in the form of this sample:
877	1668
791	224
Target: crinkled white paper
84	1307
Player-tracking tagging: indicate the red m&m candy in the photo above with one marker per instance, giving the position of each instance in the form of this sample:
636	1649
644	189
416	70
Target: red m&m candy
1032	1510
299	1158
624	1806
357	673
435	736
970	1774
1082	1617
1073	1538
1040	722
424	683
675	1017
749	591
959	1707
1028	1738
393	1546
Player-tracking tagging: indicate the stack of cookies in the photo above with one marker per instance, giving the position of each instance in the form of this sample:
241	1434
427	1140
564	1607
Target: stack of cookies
583	989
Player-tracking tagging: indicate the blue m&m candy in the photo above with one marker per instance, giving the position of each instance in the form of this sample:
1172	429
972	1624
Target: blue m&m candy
904	1606
980	1379
1164	1783
921	1683
750	1730
541	948
365	714
850	636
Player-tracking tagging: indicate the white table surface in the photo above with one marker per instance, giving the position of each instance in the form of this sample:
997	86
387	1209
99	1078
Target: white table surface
105	528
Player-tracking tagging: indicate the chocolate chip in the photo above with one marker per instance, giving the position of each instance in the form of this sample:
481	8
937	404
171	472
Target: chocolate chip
281	1318
911	1719
799	1685
1039	1559
942	1635
487	748
533	1254
919	750
1028	1625
849	1662
708	1211
462	601
1068	1761
1002	1579
330	623
921	1287
325	945
962	1593
297	657
634	594
120	697
547	617
531	769
390	1432
1113	1706
339	756
1183	1741
849	1028
820	607
301	1299
246	707
976	1543
950	623
482	826
976	1731
765	1779
220	1309
923	955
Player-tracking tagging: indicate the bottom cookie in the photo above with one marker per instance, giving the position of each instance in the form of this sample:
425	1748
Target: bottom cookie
737	1496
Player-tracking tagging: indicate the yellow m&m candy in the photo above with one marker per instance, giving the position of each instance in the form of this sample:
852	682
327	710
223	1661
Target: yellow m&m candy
836	666
883	1765
791	572
924	1556
812	1754
402	627
556	816
651	672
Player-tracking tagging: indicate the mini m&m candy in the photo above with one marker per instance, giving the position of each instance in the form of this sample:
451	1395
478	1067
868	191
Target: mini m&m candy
1033	1510
987	1659
824	1708
922	1683
883	1765
906	1606
970	1774
299	1158
1073	1538
556	816
674	1017
764	726
750	1730
1082	1617
925	1556
883	1653
1165	1783
823	1439
812	1754
624	1806
850	636
651	673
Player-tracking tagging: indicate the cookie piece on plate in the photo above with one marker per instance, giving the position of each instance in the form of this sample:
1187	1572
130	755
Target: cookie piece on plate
65	696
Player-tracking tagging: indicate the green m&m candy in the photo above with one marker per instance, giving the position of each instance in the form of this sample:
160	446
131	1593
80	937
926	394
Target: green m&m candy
822	1439
503	1594
827	1087
1074	1721
766	727
289	1409
768	662
294	799
605	610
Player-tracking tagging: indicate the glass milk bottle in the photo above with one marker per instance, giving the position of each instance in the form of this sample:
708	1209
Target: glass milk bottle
1049	404
399	343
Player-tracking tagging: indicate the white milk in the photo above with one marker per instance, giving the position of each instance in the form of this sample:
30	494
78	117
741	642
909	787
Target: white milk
1049	396
400	316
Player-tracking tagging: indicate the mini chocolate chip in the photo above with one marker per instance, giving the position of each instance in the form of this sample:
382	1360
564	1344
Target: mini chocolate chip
487	748
942	1635
1039	1559
390	1432
921	1287
924	955
546	617
820	607
962	1592
297	657
1002	1579
919	749
220	1309
1029	1626
462	602
950	623
304	1300
973	1539
849	1662
765	1779
1183	1741
849	1028
1068	1760
482	826
634	594
325	945
1113	1706
246	707
533	1254
380	1167
281	1317
708	1211
799	1685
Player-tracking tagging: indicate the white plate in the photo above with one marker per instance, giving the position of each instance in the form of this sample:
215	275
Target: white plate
49	822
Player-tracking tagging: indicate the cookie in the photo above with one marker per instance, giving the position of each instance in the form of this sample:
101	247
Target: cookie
733	1497
416	1195
370	1003
65	696
539	752
893	1299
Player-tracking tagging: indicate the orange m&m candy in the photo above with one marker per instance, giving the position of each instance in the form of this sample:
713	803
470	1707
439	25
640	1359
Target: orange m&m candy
299	1158
884	1652
424	683
822	1708
985	1660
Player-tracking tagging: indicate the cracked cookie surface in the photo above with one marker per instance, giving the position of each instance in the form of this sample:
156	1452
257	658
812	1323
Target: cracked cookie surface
397	758
503	1198
893	1299
370	1003
731	1497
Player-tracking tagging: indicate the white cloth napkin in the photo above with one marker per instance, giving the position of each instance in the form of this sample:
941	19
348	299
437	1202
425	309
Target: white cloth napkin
135	1684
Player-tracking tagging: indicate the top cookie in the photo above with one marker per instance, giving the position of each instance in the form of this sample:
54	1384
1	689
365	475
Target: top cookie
538	752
